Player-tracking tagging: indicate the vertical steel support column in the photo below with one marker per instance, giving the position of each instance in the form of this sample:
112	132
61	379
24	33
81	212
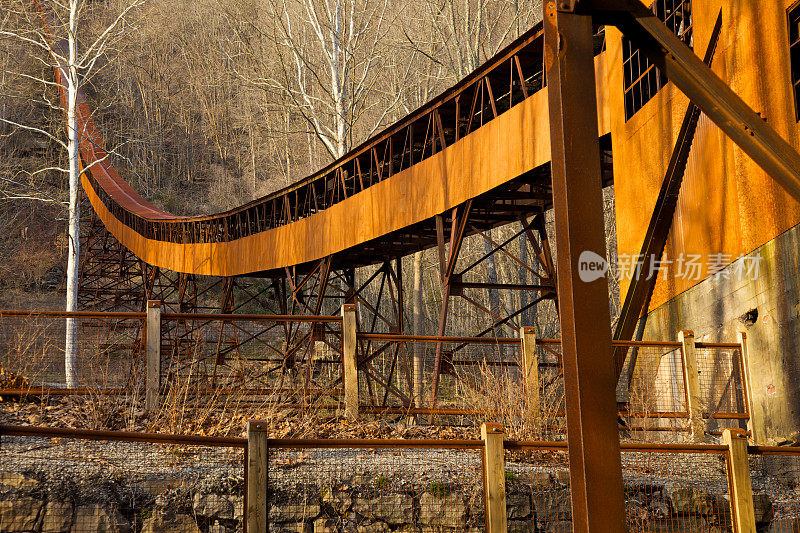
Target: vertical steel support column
350	369
153	375
594	455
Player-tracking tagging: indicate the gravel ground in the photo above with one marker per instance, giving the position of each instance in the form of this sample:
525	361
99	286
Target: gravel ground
104	467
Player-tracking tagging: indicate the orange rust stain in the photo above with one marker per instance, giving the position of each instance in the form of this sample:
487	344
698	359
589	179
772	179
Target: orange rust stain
727	205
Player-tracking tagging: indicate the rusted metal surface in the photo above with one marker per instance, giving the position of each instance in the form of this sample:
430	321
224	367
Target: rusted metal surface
672	447
721	345
68	314
589	381
126	436
521	445
376	443
773	450
462	129
704	87
637	297
462	282
205	245
438	339
39	391
248	317
710	218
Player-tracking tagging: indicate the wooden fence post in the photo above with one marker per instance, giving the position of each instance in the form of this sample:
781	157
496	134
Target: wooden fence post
495	477
256	512
739	487
349	361
694	403
753	424
153	352
530	366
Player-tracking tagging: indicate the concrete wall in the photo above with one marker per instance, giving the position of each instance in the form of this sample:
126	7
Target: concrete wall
714	310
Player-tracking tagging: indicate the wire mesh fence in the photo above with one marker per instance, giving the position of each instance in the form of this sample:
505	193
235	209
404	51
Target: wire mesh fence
250	355
552	400
653	388
298	361
367	489
538	494
485	379
107	354
672	489
68	480
64	483
720	372
775	478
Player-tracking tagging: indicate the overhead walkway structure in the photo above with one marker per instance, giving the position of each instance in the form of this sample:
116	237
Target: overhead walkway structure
484	141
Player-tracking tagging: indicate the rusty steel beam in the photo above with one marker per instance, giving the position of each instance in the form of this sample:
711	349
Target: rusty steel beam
501	286
594	453
123	436
703	87
637	298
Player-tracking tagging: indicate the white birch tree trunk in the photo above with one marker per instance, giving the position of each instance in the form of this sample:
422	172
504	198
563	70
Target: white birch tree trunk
70	62
73	145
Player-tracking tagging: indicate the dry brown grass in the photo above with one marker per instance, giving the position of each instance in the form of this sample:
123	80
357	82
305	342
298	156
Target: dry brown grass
498	395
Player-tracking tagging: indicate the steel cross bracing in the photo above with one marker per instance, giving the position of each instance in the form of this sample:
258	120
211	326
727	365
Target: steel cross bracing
589	368
385	367
509	78
637	298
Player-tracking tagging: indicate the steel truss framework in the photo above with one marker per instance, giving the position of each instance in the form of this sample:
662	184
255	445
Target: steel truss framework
595	469
112	278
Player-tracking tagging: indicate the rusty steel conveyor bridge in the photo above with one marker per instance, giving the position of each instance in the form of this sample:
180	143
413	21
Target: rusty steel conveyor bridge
498	147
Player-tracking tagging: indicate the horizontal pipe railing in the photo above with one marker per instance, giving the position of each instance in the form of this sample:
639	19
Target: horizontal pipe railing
238	442
250	317
390	337
773	450
201	440
375	443
718	345
121	436
45	391
672	447
21	313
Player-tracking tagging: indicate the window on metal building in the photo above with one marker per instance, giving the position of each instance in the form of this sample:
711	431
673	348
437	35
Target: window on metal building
794	54
643	79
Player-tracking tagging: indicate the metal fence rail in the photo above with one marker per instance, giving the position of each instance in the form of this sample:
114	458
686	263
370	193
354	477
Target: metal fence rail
62	479
297	359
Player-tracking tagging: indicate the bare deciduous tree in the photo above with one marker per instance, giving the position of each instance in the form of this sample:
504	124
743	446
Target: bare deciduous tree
54	31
